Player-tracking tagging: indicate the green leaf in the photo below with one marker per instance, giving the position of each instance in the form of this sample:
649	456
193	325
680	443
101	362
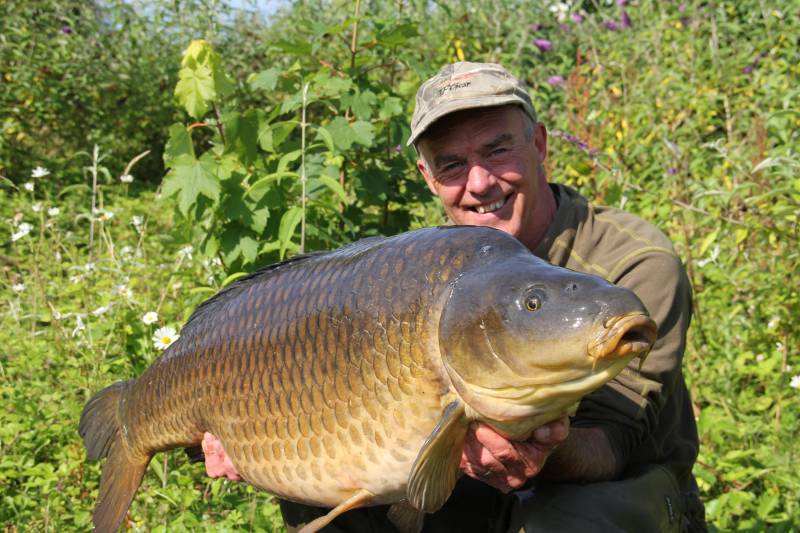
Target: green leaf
289	221
391	107
241	135
179	143
233	277
261	186
190	177
325	136
398	35
708	241
364	132
266	80
360	103
294	47
280	131
288	158
343	135
195	90
333	185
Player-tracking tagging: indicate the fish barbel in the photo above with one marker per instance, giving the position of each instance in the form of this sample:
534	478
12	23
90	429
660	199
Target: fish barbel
349	378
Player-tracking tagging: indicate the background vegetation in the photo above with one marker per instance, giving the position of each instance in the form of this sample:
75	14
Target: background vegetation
285	131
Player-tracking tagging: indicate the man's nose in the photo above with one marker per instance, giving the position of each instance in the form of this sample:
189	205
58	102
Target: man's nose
480	179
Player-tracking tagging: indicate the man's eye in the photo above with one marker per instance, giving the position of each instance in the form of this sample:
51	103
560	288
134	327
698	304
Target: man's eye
498	151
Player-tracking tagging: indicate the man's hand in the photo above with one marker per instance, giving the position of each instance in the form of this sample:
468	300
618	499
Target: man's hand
218	464
507	465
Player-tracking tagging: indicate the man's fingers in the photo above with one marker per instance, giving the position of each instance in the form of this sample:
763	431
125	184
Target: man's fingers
552	433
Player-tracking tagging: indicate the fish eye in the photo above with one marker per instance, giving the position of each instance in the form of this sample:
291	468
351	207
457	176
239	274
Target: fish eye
533	302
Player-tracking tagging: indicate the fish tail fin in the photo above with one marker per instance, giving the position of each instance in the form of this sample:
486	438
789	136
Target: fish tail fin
102	433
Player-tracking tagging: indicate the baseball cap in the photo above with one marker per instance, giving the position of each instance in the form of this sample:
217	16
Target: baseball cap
466	85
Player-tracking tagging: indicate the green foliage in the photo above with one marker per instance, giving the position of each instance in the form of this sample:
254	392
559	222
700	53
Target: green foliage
288	136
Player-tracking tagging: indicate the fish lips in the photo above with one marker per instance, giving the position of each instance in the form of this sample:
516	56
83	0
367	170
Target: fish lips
625	336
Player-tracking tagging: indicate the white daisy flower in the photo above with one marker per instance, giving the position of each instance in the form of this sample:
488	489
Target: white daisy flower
22	230
39	172
88	267
150	317
164	337
795	383
36	207
28	186
126	178
53	211
105	216
18	287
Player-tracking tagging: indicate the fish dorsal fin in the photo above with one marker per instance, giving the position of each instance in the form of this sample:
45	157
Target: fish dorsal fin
435	469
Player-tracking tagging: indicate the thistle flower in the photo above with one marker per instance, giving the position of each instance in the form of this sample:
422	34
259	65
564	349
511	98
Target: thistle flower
39	172
164	337
577	18
543	44
625	21
611	25
22	230
150	317
555	81
66	30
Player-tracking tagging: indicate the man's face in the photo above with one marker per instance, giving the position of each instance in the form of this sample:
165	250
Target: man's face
487	173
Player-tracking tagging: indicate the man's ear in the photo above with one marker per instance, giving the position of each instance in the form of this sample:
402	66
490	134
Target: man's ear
540	140
428	177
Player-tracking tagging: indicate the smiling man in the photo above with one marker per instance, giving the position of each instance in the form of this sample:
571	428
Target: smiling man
625	464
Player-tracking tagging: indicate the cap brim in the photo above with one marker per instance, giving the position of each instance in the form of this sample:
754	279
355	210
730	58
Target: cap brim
460	105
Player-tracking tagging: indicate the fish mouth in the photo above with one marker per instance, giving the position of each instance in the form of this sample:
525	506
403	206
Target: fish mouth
624	336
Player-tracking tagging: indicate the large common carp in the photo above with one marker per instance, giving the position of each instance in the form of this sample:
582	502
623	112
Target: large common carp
348	378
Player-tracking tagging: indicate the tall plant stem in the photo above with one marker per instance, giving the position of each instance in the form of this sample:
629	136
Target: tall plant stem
303	171
93	170
354	42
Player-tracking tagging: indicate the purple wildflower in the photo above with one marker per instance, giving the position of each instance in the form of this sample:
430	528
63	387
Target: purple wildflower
748	69
682	8
577	18
398	149
536	26
672	171
543	44
66	29
582	145
611	25
564	27
622	3
555	81
625	20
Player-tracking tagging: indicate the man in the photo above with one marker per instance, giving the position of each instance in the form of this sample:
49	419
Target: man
625	463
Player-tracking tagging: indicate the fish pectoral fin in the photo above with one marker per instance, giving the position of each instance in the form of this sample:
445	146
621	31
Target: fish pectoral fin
405	517
359	499
436	467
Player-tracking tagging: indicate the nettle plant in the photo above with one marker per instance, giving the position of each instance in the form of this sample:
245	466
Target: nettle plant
319	164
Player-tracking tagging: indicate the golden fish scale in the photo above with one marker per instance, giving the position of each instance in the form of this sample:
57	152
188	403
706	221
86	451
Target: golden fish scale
321	378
